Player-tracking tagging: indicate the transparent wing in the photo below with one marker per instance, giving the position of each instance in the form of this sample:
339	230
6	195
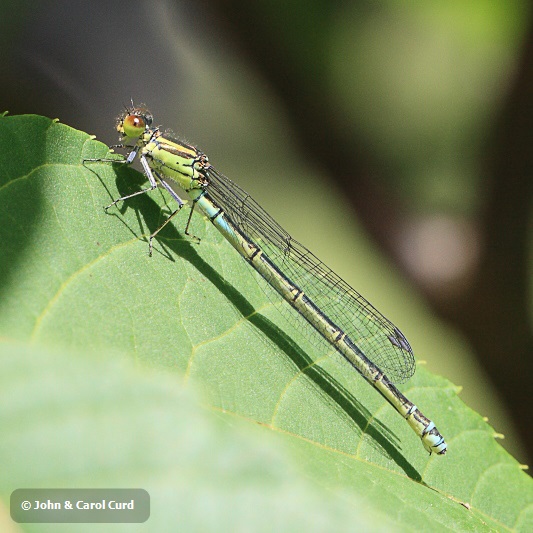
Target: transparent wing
378	338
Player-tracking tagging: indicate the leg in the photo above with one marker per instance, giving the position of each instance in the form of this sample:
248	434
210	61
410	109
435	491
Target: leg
150	246
179	201
147	173
131	156
197	239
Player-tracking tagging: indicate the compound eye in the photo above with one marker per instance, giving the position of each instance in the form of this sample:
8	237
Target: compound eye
134	125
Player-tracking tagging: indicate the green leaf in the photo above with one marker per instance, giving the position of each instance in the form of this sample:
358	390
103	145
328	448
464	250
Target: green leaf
78	293
78	419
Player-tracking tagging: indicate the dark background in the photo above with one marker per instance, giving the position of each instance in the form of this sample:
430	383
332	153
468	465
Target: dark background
394	140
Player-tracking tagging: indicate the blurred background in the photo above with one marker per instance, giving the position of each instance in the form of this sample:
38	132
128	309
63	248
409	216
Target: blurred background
394	139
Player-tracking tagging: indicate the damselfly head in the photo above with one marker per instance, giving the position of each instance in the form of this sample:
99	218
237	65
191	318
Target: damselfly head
134	121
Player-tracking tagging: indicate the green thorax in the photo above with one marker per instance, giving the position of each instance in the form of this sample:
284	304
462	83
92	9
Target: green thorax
175	159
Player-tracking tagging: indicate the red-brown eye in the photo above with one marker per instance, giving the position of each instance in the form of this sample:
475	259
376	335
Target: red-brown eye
134	121
134	125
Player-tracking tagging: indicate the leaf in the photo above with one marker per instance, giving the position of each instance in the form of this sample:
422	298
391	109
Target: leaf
78	419
78	283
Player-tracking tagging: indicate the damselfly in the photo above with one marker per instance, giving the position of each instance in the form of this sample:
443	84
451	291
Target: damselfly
337	313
